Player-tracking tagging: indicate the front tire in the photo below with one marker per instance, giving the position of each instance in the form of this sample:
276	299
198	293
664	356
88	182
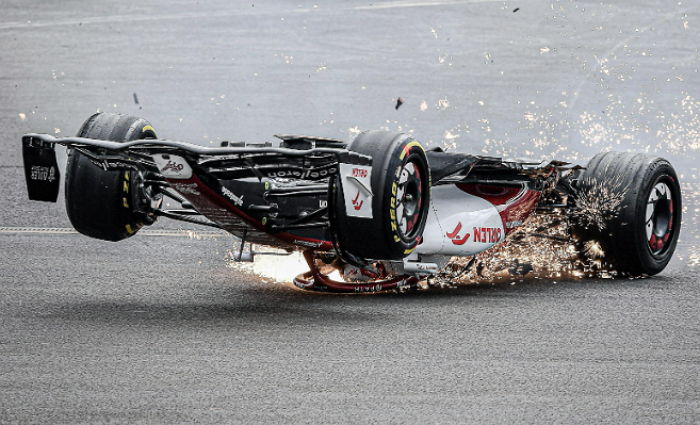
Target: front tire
401	185
100	203
640	220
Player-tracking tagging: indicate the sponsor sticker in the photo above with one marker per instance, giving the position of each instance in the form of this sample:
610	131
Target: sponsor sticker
455	236
237	200
172	166
357	189
41	173
487	234
308	174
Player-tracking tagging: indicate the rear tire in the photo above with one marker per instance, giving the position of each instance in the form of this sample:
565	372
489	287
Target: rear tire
400	182
631	204
100	203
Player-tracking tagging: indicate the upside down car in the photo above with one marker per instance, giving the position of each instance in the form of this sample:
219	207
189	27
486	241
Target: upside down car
381	211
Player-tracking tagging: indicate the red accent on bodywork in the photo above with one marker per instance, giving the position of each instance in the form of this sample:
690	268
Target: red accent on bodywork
514	204
453	235
519	210
455	231
497	195
461	241
355	204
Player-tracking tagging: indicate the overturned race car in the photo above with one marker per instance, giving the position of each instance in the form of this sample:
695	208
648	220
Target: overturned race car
381	211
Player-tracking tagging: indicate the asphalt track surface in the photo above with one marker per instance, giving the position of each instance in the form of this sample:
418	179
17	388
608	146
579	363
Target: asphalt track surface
159	329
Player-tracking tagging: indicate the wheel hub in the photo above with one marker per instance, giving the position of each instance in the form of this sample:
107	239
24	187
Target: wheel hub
409	198
659	217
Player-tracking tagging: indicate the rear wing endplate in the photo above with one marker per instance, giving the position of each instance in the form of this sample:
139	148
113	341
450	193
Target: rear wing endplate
40	170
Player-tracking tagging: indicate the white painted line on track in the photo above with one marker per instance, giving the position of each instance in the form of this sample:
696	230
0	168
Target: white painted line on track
199	234
110	19
131	18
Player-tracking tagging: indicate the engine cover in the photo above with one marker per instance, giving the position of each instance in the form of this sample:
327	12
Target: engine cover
460	223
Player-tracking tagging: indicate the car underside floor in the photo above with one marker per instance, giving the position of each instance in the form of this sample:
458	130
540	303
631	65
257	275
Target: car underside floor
316	280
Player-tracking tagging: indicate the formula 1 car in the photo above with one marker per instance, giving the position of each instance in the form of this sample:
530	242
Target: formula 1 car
381	211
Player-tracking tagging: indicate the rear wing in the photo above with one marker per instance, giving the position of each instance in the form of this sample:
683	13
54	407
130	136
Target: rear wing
231	162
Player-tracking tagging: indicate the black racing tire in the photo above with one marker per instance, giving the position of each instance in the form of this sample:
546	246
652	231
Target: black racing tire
400	183
639	231
100	203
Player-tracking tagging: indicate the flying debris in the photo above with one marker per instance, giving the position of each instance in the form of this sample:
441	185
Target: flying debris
399	102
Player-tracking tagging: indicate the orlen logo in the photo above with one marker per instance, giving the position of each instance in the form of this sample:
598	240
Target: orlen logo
355	204
172	166
453	236
359	172
487	234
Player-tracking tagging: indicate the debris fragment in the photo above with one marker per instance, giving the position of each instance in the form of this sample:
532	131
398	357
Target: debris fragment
516	9
22	116
136	98
399	102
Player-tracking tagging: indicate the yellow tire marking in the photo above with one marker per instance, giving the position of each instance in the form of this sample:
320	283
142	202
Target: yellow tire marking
128	228
146	128
408	147
125	186
408	251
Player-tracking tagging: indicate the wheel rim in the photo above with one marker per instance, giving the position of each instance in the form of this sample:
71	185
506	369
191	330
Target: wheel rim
659	218
409	197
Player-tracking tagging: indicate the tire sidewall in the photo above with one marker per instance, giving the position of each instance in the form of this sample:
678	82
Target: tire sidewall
623	235
658	171
388	210
101	203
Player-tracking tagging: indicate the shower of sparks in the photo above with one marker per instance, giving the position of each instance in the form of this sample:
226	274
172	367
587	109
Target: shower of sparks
272	267
694	257
600	202
541	249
